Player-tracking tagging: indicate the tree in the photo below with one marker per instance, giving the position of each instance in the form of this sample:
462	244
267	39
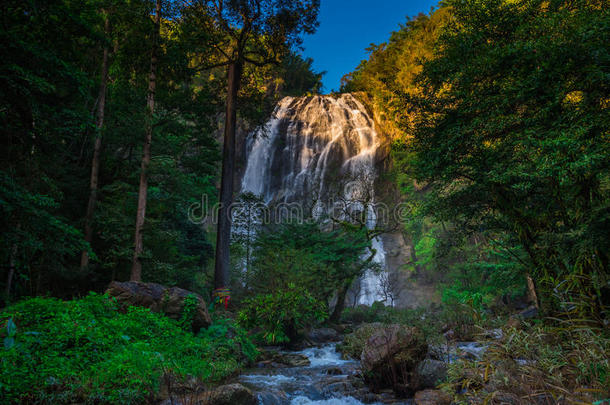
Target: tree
258	32
512	137
320	262
97	148
46	101
136	268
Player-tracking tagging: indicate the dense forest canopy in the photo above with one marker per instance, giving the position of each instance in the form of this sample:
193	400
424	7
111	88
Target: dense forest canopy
51	76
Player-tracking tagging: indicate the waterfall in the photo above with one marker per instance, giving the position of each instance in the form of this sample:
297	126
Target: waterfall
315	151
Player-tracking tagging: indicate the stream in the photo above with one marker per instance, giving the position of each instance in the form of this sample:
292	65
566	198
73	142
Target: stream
327	380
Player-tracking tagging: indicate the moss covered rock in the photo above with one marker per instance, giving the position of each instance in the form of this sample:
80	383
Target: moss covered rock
352	345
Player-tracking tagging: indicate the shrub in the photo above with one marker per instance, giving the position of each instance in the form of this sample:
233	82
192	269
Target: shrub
84	350
282	314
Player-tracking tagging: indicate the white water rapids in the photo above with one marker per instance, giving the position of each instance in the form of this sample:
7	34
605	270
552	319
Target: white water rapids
316	151
304	385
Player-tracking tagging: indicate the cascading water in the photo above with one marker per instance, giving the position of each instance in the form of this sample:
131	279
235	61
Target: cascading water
314	152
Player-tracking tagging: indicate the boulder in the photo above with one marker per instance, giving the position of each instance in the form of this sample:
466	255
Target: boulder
322	335
293	359
231	394
432	397
352	345
159	298
390	356
275	359
429	373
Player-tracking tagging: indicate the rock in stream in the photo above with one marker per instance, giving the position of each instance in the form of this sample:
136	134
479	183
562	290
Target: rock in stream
326	380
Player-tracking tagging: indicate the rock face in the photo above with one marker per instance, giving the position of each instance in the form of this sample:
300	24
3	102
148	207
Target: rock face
429	373
390	356
432	397
159	298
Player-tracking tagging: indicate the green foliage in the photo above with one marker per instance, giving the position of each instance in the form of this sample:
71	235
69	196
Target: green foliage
498	111
298	77
392	67
84	350
282	314
188	312
318	261
511	138
230	340
432	321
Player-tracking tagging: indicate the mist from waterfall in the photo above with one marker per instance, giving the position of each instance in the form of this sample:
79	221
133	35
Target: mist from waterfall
315	151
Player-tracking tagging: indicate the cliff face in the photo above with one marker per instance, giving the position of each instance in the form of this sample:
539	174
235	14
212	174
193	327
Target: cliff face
325	155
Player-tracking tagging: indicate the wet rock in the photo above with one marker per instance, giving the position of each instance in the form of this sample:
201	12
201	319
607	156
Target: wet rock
159	298
273	359
334	371
293	360
429	373
322	335
273	398
367	397
471	350
432	397
390	356
231	394
342	388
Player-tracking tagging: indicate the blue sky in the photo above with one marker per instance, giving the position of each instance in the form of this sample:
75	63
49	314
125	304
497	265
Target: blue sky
347	27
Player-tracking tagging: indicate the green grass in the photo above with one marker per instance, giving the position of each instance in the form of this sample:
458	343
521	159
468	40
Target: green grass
86	351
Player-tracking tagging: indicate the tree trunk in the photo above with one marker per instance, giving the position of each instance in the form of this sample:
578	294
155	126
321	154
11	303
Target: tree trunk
223	236
340	305
11	272
136	268
97	149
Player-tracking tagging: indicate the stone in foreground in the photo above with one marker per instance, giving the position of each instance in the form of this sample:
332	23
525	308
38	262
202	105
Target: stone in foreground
232	394
159	298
